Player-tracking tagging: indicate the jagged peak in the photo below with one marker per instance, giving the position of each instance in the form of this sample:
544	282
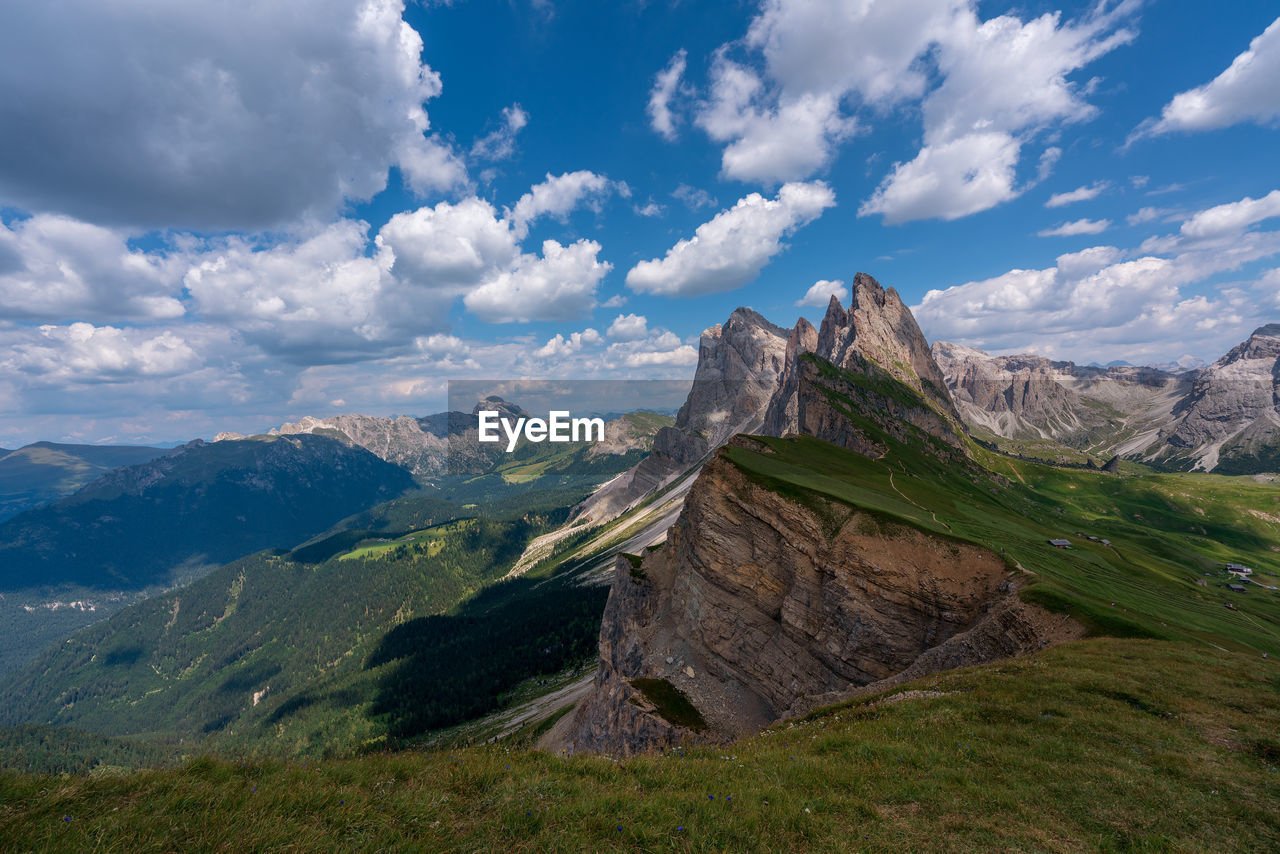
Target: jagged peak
1271	330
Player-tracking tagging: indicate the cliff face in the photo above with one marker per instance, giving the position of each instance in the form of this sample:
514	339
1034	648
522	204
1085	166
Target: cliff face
1230	419
739	364
760	607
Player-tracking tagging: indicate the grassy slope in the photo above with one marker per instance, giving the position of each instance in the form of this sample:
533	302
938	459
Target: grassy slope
1167	531
1174	749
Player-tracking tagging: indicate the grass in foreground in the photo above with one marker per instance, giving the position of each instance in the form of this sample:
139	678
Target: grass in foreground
1108	745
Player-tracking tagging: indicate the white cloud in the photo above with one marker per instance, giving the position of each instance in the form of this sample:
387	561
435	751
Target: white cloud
559	347
1147	214
1077	227
441	346
56	268
314	301
556	196
449	246
500	143
820	294
951	180
694	198
649	210
662	349
628	327
1079	194
82	352
730	250
666	86
1232	217
1102	299
1000	81
559	285
770	141
615	301
234	116
1245	92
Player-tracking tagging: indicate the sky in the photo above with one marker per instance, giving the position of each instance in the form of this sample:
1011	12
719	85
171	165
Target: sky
222	216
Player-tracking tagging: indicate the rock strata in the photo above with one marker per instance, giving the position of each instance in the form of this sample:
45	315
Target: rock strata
771	611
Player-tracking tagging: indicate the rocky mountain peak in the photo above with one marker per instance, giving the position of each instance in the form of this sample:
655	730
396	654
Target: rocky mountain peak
879	327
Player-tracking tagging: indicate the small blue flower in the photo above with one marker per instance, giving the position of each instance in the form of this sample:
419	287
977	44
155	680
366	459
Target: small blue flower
66	818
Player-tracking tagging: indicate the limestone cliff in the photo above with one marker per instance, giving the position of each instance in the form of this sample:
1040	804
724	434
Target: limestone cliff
739	364
759	606
877	331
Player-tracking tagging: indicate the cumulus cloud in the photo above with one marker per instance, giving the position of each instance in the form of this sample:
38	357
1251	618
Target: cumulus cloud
998	83
770	142
449	246
54	268
224	116
1079	194
821	292
559	285
661	349
557	196
1076	227
559	346
82	352
949	181
500	143
315	301
1231	218
1104	297
628	327
666	87
1244	92
730	250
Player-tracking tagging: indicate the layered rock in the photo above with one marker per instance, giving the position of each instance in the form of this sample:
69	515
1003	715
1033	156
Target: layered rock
1223	417
754	610
1230	419
1106	410
877	330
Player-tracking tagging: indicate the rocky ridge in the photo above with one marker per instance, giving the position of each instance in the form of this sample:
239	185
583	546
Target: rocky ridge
754	611
1224	417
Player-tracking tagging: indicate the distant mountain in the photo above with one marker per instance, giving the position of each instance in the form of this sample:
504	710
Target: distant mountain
1230	420
44	471
1031	397
202	503
1224	417
437	446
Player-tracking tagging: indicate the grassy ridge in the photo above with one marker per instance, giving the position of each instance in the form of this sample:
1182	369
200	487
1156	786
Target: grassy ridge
1171	534
1175	749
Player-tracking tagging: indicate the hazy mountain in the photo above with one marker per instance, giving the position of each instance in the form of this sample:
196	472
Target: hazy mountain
202	503
44	471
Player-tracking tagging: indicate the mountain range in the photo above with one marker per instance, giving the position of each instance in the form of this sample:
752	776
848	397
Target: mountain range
826	516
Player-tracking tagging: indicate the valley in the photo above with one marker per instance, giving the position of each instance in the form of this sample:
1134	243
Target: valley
818	547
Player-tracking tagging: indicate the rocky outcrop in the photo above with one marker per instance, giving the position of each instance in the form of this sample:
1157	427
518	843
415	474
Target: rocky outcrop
739	364
877	329
1224	417
1107	410
1230	419
759	606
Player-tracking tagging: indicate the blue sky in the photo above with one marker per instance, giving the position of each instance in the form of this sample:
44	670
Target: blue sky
222	216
